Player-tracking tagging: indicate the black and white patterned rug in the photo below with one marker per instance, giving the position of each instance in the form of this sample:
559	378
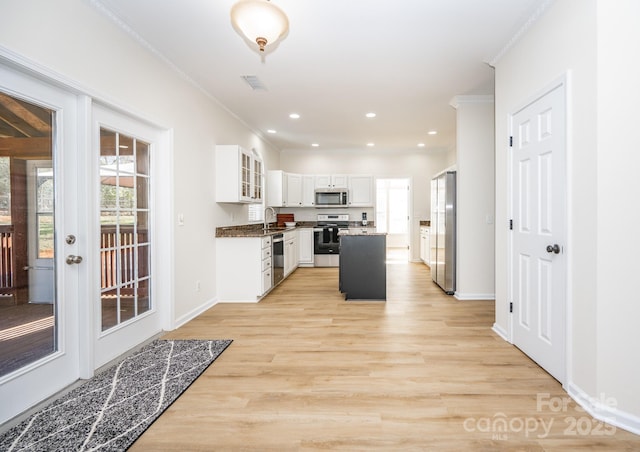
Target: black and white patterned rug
110	411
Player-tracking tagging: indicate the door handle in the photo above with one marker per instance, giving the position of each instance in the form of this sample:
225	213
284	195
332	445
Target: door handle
71	259
555	248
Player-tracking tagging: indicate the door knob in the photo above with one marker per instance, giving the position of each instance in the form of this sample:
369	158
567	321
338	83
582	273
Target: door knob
71	259
555	248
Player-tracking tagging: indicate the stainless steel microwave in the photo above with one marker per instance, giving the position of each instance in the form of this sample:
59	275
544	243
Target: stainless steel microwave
331	197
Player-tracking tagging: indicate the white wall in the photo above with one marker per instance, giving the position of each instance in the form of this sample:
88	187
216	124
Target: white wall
618	211
419	166
591	42
73	39
475	197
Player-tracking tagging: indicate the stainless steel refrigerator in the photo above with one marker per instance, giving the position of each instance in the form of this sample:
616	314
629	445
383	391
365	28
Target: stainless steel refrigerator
443	231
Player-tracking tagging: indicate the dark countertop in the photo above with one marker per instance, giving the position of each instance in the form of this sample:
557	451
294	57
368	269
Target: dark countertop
360	231
257	229
251	230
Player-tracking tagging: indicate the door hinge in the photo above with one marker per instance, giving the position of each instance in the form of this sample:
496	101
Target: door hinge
511	225
511	307
510	142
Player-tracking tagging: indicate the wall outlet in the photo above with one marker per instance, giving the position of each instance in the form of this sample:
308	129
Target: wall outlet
198	286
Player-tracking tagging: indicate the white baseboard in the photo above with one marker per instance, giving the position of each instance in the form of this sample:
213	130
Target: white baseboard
500	332
604	409
194	313
474	296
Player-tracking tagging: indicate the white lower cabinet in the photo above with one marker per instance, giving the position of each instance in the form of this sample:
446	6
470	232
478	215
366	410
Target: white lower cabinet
243	268
425	245
290	252
305	246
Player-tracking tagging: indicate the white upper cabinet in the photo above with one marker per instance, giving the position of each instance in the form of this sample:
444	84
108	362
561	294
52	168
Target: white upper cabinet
276	188
331	181
298	190
361	190
294	190
308	190
284	189
239	175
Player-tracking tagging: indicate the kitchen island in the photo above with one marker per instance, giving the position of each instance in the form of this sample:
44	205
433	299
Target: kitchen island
363	268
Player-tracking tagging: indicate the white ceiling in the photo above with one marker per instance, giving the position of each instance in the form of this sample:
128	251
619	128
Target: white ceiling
402	59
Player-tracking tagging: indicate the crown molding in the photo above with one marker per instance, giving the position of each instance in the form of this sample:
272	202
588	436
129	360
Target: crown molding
471	99
521	32
104	10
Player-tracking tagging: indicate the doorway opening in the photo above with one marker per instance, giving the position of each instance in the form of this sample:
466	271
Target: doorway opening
392	216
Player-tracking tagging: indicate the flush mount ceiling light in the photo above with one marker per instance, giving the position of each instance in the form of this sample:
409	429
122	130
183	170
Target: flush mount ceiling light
260	21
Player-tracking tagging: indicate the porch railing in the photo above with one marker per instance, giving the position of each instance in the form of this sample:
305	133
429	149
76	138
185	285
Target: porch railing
108	256
6	259
110	248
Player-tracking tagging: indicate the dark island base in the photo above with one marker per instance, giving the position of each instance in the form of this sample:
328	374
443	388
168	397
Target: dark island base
363	268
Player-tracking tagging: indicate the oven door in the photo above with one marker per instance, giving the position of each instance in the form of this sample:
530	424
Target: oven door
326	247
326	241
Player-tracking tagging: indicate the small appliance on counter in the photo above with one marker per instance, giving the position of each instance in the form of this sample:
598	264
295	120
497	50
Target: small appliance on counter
364	219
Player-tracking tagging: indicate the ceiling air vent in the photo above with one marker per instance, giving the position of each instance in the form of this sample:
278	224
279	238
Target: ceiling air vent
254	82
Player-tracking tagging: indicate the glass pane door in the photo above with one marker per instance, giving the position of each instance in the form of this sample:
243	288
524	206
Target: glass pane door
124	228
28	305
39	208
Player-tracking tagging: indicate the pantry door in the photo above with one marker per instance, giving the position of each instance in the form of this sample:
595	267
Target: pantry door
539	270
39	211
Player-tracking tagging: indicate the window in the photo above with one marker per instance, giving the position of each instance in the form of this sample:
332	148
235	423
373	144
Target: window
44	212
5	190
256	212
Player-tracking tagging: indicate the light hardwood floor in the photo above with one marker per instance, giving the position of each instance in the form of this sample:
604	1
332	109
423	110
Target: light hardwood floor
309	371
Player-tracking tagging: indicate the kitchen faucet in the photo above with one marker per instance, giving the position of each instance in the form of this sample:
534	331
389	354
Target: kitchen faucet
273	214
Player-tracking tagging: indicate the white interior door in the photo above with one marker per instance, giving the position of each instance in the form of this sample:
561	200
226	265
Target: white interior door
45	120
539	231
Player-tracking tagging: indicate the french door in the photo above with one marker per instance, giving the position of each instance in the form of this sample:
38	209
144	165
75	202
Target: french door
81	278
39	211
127	311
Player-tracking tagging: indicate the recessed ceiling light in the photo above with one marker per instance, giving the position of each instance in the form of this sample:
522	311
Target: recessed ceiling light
315	145
271	131
420	145
432	132
370	115
294	116
371	144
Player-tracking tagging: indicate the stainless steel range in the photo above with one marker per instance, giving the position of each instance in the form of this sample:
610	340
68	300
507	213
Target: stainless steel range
326	242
